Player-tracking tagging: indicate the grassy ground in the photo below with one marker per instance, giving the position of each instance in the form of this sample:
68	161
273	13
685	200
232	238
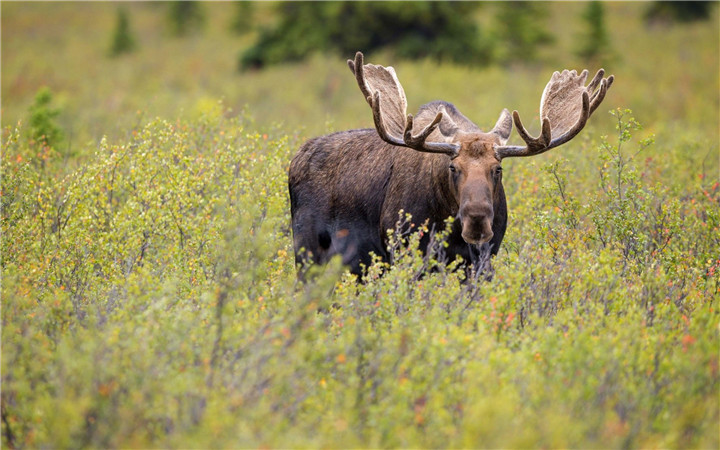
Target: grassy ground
148	288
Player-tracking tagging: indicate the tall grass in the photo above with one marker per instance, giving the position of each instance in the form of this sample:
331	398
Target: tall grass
149	296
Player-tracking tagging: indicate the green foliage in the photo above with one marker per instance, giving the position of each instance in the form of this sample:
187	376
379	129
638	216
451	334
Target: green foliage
304	27
150	299
122	40
44	130
242	21
520	31
595	46
145	219
185	17
444	31
678	11
149	296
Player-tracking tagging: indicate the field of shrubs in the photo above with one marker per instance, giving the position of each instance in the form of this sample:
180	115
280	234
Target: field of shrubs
149	291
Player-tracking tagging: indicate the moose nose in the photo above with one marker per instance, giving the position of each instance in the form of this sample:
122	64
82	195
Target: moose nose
476	223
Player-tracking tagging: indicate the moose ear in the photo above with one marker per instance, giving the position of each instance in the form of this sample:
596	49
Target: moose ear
447	125
503	127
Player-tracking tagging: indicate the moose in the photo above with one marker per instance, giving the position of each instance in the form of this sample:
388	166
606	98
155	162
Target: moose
348	188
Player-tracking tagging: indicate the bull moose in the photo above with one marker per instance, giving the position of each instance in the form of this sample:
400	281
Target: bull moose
347	188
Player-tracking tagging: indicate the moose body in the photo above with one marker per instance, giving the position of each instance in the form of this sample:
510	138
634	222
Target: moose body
348	188
360	183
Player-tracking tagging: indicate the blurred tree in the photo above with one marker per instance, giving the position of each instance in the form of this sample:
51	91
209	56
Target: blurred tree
594	44
185	17
43	129
303	28
520	31
444	31
242	21
678	11
122	40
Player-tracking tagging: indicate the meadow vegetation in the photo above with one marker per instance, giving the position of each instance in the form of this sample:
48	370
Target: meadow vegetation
149	296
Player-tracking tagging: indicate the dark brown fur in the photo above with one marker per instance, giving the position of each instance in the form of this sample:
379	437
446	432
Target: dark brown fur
347	188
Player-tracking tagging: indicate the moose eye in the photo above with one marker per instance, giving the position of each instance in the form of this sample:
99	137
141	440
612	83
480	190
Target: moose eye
497	172
453	169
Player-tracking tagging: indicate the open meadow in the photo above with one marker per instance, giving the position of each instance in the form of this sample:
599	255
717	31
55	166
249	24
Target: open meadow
149	290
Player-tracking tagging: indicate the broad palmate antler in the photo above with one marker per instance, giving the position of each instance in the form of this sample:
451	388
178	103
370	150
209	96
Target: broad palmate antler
565	107
386	97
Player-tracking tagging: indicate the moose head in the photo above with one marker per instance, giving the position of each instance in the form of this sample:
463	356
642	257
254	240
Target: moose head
346	189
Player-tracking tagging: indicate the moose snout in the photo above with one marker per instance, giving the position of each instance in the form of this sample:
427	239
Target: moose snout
476	222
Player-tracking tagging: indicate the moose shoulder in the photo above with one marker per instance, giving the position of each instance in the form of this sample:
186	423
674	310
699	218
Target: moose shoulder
347	188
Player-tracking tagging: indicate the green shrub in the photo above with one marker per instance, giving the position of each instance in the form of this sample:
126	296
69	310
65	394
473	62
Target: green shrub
150	299
122	40
594	46
242	21
149	296
185	17
44	130
520	31
677	11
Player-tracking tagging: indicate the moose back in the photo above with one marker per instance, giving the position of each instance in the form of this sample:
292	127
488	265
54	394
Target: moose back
347	188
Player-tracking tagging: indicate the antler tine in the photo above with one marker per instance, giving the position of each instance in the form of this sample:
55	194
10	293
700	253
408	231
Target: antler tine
417	142
524	135
357	69
423	135
599	95
596	80
534	143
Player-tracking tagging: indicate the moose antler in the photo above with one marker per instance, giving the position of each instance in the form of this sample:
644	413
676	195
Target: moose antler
386	97
565	107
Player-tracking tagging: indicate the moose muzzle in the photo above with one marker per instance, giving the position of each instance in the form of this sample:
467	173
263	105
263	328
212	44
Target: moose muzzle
476	220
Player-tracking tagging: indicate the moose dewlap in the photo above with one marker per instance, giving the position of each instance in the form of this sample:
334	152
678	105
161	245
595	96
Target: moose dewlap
347	188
